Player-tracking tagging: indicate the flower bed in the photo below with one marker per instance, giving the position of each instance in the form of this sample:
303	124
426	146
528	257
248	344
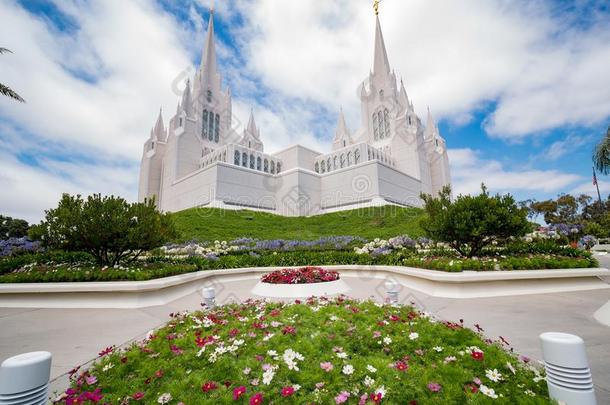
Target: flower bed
303	275
320	351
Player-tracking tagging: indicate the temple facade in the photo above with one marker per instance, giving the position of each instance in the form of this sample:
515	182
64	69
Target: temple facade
199	160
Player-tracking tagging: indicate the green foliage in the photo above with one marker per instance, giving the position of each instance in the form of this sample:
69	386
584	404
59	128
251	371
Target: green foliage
109	228
13	263
208	224
397	347
601	154
596	229
12	227
470	223
7	91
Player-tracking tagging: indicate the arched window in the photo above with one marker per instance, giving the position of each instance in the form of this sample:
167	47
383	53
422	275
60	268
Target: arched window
244	159
209	96
375	126
251	161
211	127
249	144
317	167
258	163
224	156
236	158
266	166
342	160
368	152
349	158
180	122
328	166
381	126
335	160
386	120
217	128
323	167
272	167
356	156
278	167
152	145
204	126
409	118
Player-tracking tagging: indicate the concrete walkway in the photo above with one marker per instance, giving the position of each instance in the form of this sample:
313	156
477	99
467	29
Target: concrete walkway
75	336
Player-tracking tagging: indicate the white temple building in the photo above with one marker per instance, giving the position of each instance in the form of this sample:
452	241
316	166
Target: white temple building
200	160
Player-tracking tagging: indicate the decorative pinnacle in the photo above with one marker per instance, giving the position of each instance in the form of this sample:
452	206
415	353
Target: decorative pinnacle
212	6
376	6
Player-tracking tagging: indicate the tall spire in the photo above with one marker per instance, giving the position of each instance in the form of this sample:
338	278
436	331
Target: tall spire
186	98
431	128
208	56
341	131
158	131
402	96
380	64
251	128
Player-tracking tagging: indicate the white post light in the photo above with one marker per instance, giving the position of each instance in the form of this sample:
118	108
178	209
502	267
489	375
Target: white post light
209	296
567	369
24	379
391	292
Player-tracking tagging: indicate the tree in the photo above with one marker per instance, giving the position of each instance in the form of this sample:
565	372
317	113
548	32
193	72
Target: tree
109	228
12	227
601	154
7	91
470	223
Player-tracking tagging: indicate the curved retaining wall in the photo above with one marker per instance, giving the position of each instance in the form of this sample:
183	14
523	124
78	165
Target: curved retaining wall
140	294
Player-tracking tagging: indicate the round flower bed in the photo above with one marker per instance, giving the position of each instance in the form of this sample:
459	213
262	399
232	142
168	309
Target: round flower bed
300	283
303	275
321	351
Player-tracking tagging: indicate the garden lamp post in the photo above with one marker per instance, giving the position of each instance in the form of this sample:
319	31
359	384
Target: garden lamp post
24	379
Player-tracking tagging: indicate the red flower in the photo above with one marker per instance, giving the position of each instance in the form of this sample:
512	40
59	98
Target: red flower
477	355
204	341
401	366
106	351
287	391
257	399
209	386
138	395
376	397
176	350
300	276
471	388
234	332
159	373
238	392
289	330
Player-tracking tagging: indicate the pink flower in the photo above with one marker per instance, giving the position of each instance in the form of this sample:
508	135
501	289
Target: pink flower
326	366
478	356
476	380
91	379
106	351
257	399
238	392
434	387
363	399
287	391
289	330
209	386
376	334
342	397
401	366
320	385
138	395
376	397
176	350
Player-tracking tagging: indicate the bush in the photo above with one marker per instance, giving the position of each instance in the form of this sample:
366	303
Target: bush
12	228
470	223
109	228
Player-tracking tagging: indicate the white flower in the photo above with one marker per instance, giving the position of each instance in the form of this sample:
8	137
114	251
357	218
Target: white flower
380	390
511	368
296	387
247	370
342	355
371	368
334	318
268	376
530	393
108	367
272	353
488	391
269	336
348	369
368	381
493	375
437	349
387	340
449	359
290	357
164	398
413	335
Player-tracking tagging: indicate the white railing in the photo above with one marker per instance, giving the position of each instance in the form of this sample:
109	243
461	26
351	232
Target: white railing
242	156
349	156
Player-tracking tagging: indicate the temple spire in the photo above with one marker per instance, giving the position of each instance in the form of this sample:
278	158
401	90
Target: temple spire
341	133
158	131
403	98
208	57
251	128
381	65
431	128
186	98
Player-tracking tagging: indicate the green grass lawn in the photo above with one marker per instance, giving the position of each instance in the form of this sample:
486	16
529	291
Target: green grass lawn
205	224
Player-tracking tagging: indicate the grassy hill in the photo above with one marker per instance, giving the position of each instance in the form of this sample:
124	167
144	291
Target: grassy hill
206	224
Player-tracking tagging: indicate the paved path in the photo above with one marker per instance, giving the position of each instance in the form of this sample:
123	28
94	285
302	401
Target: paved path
75	336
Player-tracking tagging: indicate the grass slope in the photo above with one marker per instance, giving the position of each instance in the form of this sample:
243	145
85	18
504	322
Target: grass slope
205	224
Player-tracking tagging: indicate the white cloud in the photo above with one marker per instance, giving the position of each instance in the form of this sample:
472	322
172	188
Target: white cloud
469	170
589	188
564	146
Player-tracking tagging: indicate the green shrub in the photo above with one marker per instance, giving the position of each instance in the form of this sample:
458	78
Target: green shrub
470	223
12	227
109	228
12	263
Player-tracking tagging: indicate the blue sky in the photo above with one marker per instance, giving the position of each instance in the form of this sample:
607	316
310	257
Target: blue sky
520	89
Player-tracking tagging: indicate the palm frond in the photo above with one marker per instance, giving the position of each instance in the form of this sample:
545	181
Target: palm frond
601	154
7	91
4	50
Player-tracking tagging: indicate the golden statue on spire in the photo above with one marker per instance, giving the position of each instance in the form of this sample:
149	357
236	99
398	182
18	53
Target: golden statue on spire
376	6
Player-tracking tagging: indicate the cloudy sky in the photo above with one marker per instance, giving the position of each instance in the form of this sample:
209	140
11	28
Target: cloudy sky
520	88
